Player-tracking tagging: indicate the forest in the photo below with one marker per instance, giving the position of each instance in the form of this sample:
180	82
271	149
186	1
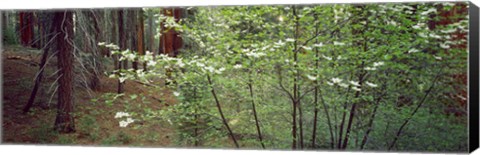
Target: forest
376	77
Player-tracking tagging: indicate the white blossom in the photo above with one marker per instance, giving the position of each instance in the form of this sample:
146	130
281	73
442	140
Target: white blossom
151	63
338	43
210	69
121	114
180	63
356	89
289	40
355	83
376	64
313	78
431	10
448	4
329	83
328	58
370	68
307	48
435	36
444	46
124	123
122	79
371	84
343	85
318	45
199	64
101	43
413	50
279	44
238	66
438	58
392	23
112	46
176	93
220	70
448	31
336	80
256	55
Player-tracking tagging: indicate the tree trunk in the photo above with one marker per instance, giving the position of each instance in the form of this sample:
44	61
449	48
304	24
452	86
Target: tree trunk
170	41
295	80
122	44
39	77
259	132
150	33
132	35
220	111
99	51
414	112
26	28
64	122
372	118
140	38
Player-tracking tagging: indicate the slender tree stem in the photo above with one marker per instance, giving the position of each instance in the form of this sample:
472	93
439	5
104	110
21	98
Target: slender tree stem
399	132
220	111
372	118
259	132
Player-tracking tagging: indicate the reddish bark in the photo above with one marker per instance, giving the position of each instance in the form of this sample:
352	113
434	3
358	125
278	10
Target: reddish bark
170	41
63	22
26	28
450	17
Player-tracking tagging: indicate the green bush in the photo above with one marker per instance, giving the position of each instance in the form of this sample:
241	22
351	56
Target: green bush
9	36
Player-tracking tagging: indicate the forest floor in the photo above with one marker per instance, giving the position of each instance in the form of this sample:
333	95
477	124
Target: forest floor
94	120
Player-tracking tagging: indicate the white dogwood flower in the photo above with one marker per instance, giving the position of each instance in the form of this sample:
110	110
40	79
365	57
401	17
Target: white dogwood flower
238	66
318	45
338	43
176	93
356	89
343	85
355	83
370	68
313	78
371	84
328	58
413	50
336	80
376	64
121	114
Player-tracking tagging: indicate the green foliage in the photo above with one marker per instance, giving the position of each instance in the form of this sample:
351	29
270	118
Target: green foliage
112	140
43	134
88	126
117	139
370	56
9	36
65	140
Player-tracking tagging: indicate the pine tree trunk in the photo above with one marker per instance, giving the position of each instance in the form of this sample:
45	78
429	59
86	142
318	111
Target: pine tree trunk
122	45
150	33
39	77
64	122
140	37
